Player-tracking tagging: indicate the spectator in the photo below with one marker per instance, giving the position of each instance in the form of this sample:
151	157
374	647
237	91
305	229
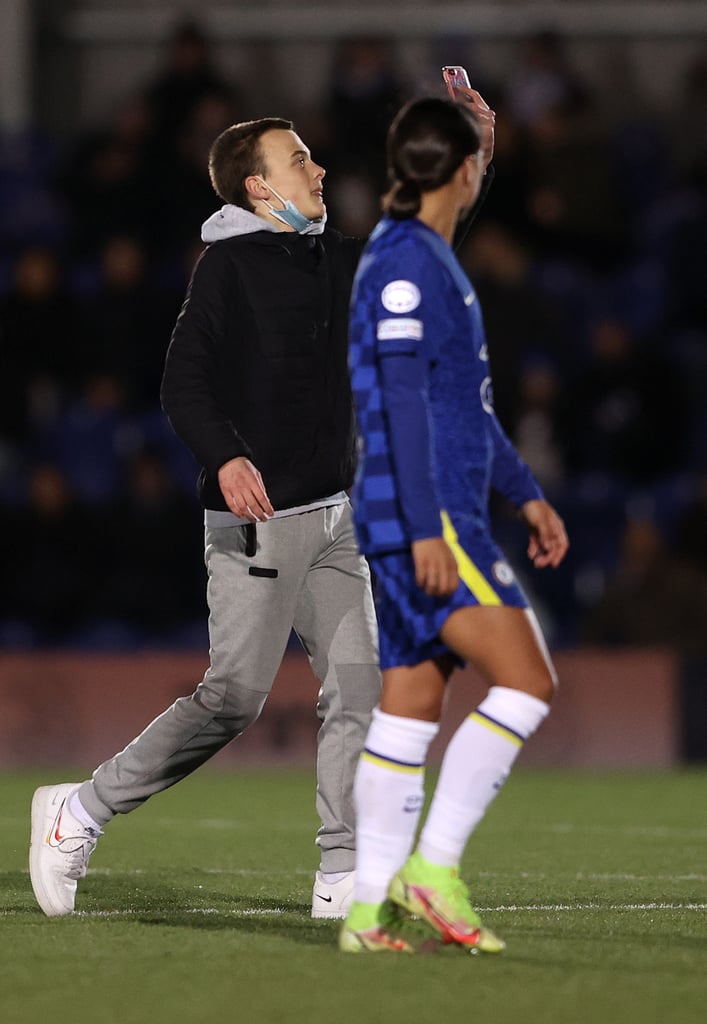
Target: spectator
543	79
53	576
182	190
573	203
128	322
143	584
106	180
653	600
187	77
691	530
365	93
626	411
538	430
86	439
39	343
518	318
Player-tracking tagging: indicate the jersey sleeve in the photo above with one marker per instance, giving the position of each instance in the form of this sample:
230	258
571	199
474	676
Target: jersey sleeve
404	388
510	476
408	287
408	331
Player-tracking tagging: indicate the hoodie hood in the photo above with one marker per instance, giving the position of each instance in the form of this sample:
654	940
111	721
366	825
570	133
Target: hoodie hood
233	220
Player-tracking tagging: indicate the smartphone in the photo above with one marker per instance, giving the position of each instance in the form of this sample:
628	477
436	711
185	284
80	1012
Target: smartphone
455	76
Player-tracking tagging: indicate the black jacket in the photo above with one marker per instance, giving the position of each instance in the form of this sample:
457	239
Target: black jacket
257	364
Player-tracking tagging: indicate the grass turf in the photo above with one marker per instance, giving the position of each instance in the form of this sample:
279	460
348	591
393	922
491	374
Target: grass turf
197	906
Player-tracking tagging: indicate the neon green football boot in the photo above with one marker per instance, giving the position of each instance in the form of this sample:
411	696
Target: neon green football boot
437	895
384	928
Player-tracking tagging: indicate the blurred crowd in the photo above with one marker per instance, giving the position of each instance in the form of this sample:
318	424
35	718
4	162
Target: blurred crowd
589	259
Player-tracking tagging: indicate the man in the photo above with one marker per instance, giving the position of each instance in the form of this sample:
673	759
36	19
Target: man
256	384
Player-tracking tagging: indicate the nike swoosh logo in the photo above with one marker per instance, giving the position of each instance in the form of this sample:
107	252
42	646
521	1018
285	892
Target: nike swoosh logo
57	835
327	899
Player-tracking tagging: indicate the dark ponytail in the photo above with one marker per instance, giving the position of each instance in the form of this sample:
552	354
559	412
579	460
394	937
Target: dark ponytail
428	141
403	200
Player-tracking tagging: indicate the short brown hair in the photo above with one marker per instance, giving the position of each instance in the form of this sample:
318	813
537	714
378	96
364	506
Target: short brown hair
236	154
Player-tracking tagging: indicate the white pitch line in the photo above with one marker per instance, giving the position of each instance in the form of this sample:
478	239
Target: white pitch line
215	911
553	908
570	907
583	876
244	824
652	831
238	872
580	876
655	831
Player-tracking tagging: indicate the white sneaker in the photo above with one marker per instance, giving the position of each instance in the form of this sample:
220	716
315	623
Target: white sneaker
59	849
332	899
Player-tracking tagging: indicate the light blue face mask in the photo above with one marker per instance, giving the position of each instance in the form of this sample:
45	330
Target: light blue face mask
292	216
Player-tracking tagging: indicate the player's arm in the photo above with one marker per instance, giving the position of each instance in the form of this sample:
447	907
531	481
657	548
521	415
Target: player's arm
548	541
404	384
486	120
404	365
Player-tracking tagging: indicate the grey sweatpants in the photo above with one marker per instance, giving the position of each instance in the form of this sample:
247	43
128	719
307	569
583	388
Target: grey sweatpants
319	584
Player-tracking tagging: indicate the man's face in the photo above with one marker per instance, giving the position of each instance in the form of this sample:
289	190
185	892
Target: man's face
290	170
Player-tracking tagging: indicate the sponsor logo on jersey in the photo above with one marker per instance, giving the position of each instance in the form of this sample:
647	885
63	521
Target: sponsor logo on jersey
401	297
503	573
402	327
486	391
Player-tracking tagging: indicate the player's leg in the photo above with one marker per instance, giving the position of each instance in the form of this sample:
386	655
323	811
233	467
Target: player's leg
389	795
249	624
505	645
335	619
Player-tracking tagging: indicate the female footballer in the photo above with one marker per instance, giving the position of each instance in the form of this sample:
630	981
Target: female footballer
432	448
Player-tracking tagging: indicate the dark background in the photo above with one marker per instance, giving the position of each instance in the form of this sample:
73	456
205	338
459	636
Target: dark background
589	258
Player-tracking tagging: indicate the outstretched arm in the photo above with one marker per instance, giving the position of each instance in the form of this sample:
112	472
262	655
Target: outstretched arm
486	120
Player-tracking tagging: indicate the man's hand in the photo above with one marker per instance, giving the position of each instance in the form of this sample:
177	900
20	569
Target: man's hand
548	537
435	566
243	488
486	119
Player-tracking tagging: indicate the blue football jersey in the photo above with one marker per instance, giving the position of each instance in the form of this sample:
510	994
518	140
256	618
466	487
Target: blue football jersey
412	299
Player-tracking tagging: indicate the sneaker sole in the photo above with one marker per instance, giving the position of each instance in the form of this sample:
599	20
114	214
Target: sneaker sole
42	817
328	915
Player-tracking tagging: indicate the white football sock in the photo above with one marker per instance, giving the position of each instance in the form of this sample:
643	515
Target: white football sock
389	794
476	763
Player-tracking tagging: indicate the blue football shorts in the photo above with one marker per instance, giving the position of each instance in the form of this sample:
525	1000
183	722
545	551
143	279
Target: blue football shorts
409	620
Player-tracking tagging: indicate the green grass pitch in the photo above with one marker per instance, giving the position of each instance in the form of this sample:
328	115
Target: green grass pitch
196	909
